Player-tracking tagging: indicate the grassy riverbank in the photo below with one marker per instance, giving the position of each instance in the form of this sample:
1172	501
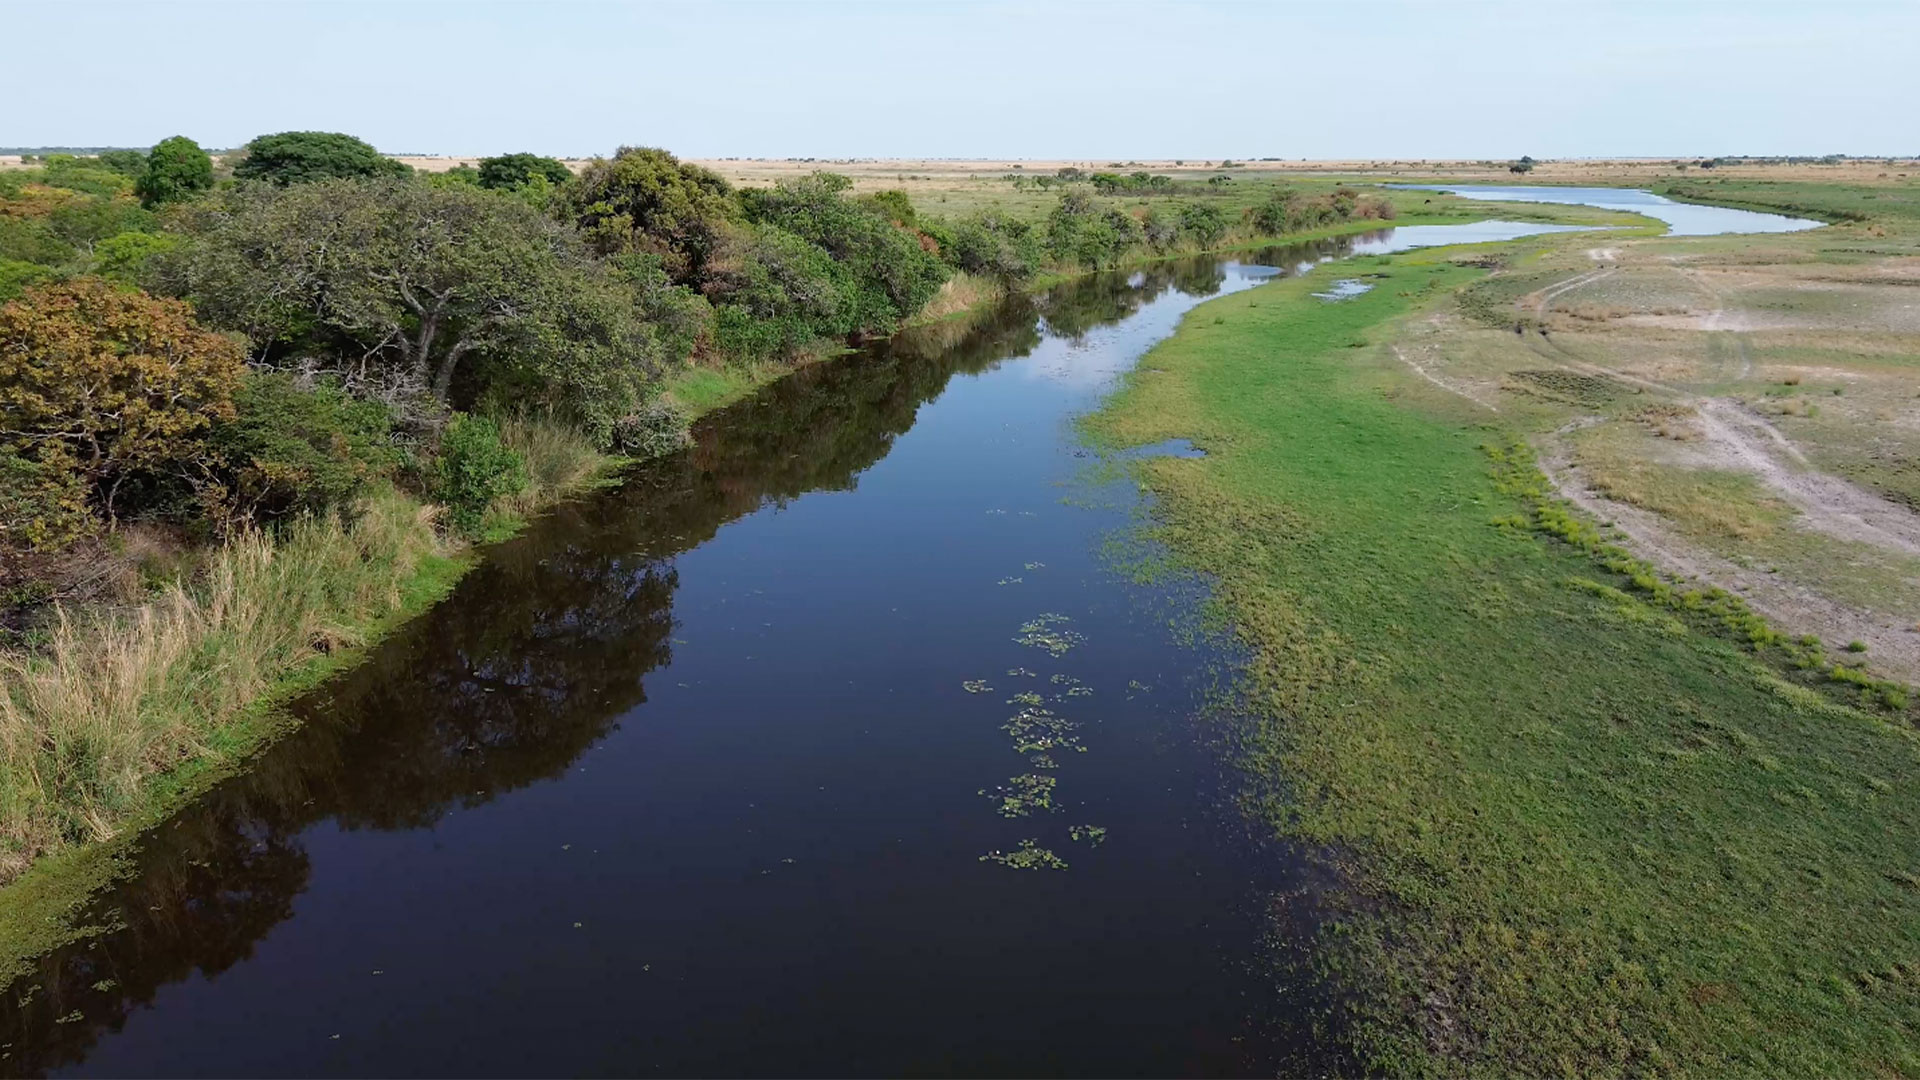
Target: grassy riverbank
1586	830
125	714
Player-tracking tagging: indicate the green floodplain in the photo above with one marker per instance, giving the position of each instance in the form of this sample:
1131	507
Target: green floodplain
1593	820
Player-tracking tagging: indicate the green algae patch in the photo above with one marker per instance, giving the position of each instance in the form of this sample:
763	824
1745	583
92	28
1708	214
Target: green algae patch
1582	829
1028	856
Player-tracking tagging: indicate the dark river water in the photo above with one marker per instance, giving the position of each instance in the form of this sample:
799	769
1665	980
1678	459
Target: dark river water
697	776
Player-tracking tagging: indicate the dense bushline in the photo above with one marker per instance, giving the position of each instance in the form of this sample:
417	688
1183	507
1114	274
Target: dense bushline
1084	232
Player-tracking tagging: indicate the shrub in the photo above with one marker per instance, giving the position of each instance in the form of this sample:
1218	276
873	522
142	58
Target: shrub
1160	233
130	163
290	449
776	293
891	274
1079	230
474	468
1202	224
656	428
1004	249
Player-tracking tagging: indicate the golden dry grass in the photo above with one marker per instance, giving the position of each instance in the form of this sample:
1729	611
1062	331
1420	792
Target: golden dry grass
115	699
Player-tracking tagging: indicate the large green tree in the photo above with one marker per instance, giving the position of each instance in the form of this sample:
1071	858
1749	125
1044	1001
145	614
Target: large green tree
453	291
302	157
175	169
513	170
646	200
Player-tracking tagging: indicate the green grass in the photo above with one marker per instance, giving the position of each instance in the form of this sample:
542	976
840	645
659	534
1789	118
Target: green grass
1586	830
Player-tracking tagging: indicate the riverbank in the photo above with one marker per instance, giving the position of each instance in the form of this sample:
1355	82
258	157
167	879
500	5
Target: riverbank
146	708
1585	828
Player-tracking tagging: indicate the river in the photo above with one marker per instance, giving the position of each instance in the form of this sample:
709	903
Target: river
711	774
1682	219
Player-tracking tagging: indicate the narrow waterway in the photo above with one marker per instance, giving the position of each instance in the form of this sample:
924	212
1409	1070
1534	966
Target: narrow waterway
729	771
1682	219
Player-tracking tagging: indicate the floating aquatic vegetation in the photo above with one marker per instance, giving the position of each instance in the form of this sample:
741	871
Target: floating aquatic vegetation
975	686
1009	581
1042	761
1091	835
1038	731
1026	697
1028	856
1022	795
1075	688
1023	672
1036	566
1048	632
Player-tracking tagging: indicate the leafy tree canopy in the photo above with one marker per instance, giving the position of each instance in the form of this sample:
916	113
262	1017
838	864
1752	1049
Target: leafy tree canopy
645	199
125	162
302	157
108	383
174	169
895	273
513	170
451	290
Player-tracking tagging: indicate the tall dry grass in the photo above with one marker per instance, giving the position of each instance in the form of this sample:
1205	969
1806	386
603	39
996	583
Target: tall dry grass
560	461
959	293
115	699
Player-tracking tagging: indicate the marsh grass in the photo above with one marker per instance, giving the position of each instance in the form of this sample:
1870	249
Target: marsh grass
1591	823
117	698
560	460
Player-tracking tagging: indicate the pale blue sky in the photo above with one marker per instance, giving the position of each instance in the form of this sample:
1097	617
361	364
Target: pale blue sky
1326	79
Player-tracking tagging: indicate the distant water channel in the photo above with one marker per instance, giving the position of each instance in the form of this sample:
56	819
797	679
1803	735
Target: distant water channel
1683	219
703	775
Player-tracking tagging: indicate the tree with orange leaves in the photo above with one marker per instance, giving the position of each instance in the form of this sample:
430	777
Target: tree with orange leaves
110	384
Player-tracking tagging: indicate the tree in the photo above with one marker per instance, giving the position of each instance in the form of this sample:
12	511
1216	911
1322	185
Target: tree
422	287
644	199
513	170
109	383
1524	165
176	169
302	157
